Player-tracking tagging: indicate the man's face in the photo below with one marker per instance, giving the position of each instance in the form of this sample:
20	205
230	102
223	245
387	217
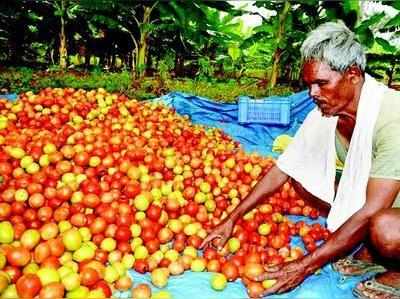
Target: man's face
330	90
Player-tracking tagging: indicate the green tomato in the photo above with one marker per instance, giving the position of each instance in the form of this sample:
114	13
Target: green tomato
10	292
72	240
218	282
6	232
78	293
48	275
71	281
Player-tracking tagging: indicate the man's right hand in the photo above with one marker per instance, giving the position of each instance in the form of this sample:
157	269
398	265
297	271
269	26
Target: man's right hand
222	232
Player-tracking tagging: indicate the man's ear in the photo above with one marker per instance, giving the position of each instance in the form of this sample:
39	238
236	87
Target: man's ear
354	74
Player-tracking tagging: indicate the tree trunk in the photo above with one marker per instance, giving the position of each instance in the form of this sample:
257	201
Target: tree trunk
63	40
142	52
279	37
179	65
133	65
391	73
142	55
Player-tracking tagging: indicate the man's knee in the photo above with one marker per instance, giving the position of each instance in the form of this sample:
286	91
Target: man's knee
384	232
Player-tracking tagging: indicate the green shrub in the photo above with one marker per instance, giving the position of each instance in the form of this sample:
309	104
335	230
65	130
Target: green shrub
17	80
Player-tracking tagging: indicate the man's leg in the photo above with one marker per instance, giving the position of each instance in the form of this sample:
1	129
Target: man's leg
385	239
322	206
384	234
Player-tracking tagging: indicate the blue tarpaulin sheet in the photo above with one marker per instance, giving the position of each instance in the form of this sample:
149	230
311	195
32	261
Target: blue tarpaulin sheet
12	97
327	284
253	137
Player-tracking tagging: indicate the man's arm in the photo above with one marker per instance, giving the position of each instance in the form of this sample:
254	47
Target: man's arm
380	195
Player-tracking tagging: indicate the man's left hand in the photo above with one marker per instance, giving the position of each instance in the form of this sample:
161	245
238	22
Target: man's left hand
287	278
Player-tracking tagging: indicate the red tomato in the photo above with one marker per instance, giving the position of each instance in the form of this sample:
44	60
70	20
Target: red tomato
18	256
56	247
103	285
52	290
252	257
179	245
101	256
253	270
28	286
91	200
89	277
230	271
141	266
5	211
13	272
191	208
213	266
98	225
17	208
131	190
311	247
210	253
51	262
153	212
255	289
237	260
153	245
79	219
148	234
164	263
125	219
42	251
194	241
277	242
81	159
123	233
124	247
109	215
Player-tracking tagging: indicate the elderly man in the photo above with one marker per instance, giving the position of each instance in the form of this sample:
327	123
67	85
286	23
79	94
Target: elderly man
358	120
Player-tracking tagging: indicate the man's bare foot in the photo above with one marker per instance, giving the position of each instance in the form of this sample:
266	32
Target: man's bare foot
383	286
390	278
364	254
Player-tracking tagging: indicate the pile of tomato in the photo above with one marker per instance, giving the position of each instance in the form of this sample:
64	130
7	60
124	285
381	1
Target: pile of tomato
94	184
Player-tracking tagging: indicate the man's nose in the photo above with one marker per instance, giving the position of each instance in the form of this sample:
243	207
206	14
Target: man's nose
314	91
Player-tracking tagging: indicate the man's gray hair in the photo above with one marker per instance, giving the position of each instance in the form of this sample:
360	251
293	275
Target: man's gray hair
334	44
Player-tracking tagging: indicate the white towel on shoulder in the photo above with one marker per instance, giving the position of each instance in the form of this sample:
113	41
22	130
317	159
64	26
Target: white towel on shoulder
310	157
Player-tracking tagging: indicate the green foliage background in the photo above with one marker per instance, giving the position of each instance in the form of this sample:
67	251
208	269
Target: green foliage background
150	47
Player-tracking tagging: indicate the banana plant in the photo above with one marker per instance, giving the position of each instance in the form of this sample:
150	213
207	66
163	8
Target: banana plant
282	32
142	20
197	29
285	31
19	26
66	11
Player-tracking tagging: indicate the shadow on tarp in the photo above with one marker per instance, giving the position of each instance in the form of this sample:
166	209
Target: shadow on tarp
326	284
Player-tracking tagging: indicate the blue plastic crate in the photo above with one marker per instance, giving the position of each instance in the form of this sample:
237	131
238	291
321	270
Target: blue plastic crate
267	111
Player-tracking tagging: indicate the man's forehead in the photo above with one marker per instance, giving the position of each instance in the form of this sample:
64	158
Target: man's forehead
316	70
